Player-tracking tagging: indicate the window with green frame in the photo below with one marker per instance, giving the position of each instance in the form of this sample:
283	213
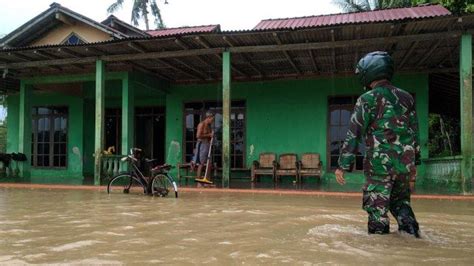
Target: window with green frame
194	112
340	111
49	137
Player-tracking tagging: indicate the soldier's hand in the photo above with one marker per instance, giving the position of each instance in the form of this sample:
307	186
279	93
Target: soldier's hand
413	174
340	177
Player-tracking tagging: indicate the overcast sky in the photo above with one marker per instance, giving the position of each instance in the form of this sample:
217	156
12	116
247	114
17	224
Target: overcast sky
230	14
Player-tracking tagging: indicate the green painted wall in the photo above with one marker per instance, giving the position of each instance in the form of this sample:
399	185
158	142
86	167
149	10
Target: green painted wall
149	92
144	96
285	116
282	116
73	173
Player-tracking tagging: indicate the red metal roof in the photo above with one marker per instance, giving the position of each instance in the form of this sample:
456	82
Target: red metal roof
184	30
418	12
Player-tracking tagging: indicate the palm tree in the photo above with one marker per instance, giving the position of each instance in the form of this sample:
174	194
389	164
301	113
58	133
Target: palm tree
140	10
367	5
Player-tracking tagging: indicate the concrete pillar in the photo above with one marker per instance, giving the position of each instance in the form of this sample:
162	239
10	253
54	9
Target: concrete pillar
226	102
465	71
24	138
99	118
128	114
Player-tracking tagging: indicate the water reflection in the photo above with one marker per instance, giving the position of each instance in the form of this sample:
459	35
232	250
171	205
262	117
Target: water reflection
86	227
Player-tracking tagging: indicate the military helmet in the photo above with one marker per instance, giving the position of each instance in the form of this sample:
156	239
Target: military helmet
374	66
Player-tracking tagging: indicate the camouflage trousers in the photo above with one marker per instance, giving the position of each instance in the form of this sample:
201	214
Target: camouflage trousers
382	194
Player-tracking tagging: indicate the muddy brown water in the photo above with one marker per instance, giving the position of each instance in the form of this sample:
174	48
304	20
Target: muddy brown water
90	227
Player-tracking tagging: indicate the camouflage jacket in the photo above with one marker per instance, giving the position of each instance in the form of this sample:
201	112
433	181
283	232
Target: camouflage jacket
386	117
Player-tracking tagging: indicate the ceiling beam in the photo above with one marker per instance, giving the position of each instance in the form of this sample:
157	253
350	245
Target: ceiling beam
96	51
184	46
428	54
239	49
73	54
20	56
397	30
179	69
199	73
333	52
47	56
137	47
313	61
205	44
150	72
68	52
247	58
287	55
358	29
408	54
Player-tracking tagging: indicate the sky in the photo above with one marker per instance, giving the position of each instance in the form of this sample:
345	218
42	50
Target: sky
230	14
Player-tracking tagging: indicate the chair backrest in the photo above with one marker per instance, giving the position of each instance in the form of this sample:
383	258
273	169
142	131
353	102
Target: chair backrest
266	159
288	161
310	160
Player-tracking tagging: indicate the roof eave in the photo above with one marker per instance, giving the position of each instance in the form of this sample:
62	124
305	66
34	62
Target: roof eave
56	8
26	26
126	25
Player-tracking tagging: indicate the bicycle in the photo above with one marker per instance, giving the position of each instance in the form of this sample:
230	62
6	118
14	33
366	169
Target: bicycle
159	184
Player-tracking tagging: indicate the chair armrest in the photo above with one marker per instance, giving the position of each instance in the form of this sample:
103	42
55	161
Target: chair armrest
256	163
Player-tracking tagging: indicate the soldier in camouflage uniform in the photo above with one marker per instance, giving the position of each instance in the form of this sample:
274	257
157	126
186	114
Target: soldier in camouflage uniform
385	116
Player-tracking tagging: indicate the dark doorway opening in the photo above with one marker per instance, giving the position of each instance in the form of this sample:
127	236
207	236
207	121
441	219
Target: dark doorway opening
150	131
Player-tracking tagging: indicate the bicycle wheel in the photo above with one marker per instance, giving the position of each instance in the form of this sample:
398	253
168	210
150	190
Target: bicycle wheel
125	183
162	185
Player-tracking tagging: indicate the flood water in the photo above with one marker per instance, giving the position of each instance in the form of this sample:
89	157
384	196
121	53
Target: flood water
91	227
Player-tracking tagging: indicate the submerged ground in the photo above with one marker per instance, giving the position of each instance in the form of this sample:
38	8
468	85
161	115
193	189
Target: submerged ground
89	226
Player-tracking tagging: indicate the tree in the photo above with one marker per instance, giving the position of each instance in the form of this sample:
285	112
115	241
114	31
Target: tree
140	10
367	5
455	6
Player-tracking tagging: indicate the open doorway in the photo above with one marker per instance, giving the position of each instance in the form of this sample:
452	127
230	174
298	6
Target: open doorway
150	131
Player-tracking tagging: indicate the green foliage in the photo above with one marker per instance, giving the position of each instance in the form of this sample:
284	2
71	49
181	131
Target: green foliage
367	5
140	10
444	136
455	6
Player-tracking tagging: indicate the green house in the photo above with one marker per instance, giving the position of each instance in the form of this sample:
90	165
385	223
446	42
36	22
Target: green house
77	87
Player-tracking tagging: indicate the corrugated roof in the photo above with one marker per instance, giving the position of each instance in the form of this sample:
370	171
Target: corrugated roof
111	20
428	11
47	20
184	30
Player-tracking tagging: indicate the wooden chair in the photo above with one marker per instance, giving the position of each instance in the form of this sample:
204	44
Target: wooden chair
287	165
309	165
264	166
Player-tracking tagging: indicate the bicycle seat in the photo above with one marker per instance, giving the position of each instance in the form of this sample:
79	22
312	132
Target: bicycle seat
162	167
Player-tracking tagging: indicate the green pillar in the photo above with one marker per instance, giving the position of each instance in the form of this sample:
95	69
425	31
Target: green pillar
127	115
99	118
465	71
24	138
226	79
